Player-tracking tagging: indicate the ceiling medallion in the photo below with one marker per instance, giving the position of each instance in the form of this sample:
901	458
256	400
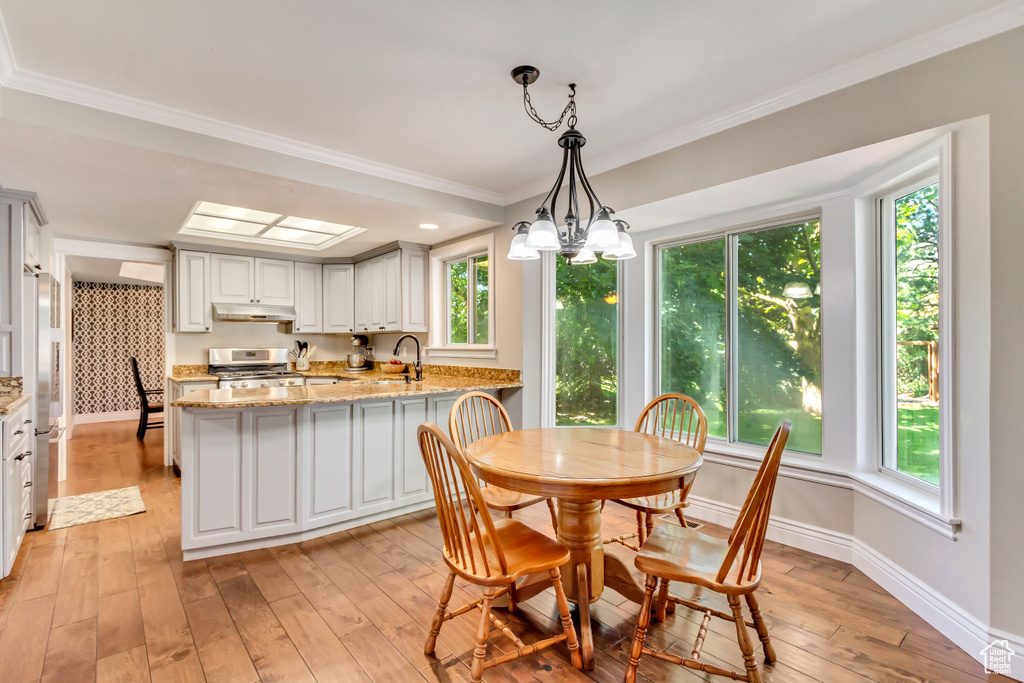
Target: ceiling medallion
579	242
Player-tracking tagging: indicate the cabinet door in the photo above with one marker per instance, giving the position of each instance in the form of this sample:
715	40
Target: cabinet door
212	462
438	410
374	451
415	285
309	298
414	482
362	296
330	475
232	279
275	282
339	298
192	292
391	291
376	289
274	462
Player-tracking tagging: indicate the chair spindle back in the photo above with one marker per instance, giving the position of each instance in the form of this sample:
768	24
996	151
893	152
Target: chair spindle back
476	415
676	417
466	525
752	523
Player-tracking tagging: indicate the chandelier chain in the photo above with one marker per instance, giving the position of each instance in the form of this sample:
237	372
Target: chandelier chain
570	110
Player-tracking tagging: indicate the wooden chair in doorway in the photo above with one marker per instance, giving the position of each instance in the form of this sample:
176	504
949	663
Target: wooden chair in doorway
731	567
474	416
148	407
672	416
489	553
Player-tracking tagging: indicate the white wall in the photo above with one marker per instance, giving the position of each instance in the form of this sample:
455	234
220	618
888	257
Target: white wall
192	348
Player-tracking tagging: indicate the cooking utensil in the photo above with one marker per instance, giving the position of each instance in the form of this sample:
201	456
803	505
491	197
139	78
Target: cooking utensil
312	350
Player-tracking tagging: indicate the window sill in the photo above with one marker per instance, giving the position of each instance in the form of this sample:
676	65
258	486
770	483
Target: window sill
906	499
474	351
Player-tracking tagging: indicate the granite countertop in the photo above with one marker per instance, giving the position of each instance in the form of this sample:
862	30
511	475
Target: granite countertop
336	393
184	379
11	402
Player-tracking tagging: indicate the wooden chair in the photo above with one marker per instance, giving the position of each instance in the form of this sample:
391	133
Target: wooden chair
474	416
677	417
147	407
731	567
488	553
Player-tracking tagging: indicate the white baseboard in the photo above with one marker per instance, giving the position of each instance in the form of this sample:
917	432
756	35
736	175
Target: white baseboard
969	633
117	416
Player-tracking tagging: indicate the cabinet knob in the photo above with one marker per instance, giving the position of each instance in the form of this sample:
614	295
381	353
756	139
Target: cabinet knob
18	431
27	485
28	422
28	515
252	301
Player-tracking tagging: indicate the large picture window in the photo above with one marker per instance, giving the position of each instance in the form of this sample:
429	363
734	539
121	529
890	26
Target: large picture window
468	296
586	343
910	331
740	331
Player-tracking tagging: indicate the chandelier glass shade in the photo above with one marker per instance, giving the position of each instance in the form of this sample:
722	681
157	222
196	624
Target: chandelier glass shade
578	239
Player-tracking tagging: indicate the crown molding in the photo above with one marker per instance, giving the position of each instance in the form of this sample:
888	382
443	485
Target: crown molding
994	21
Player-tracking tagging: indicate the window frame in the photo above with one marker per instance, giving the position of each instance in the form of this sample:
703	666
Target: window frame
471	299
731	236
887	459
440	312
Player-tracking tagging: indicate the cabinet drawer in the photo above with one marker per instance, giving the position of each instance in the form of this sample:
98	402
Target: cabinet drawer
26	513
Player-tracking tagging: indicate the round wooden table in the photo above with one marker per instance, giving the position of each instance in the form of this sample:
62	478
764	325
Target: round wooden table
582	466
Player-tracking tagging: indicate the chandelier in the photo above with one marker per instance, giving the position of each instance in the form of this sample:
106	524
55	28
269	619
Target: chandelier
578	240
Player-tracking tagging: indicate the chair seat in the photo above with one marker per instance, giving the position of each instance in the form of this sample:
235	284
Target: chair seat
506	500
526	552
655	505
682	554
156	407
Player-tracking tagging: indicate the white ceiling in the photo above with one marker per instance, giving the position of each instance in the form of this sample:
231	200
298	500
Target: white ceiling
89	269
421	87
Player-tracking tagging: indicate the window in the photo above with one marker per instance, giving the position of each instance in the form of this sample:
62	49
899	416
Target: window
468	300
586	343
910	331
462	299
740	331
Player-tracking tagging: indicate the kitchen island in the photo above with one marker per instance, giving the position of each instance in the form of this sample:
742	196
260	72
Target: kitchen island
264	467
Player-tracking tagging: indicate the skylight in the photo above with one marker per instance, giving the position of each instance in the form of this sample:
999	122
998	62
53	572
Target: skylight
221	221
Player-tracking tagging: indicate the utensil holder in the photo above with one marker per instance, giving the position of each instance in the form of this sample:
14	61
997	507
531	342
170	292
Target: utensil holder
301	364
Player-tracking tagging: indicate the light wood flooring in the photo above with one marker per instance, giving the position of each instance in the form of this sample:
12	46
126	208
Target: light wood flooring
113	601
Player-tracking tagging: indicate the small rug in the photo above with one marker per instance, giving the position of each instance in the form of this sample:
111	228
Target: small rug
96	507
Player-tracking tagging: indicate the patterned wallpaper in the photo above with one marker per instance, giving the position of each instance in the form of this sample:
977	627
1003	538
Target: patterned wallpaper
110	324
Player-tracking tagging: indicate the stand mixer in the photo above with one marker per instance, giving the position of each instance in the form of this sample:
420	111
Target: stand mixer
359	360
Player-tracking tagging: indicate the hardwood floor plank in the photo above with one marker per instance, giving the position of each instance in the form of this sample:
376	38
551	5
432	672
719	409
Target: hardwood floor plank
221	652
69	649
23	642
78	587
881	651
271	650
168	637
187	670
42	570
129	666
327	658
116	572
119	624
378	657
950	655
268	575
195	582
336	608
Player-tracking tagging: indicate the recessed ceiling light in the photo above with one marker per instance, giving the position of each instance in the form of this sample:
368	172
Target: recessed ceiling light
428	226
221	221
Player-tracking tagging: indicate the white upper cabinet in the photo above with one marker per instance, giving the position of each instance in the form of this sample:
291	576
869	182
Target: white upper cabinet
338	298
248	280
309	298
192	292
391	292
275	282
232	279
32	245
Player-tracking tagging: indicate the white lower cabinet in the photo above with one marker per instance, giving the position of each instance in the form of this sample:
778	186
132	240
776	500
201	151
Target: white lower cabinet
374	446
16	500
258	477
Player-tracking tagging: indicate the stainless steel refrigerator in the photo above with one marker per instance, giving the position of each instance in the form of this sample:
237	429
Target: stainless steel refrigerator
43	333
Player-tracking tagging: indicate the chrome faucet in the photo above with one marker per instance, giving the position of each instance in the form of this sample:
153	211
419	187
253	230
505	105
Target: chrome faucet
419	353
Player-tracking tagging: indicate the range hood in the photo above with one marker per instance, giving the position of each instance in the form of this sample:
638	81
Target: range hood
254	313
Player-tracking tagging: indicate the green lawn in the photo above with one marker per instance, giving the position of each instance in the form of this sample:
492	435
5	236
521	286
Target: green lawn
757	427
917	447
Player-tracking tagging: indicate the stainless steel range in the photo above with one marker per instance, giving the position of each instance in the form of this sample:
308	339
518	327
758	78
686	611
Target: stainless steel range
253	368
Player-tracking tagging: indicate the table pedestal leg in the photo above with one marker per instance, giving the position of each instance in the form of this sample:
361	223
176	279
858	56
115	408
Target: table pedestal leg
579	530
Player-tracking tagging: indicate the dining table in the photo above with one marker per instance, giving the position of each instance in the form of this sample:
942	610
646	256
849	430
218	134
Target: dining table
581	467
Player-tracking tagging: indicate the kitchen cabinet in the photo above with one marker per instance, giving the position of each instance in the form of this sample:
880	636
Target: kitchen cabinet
272	457
338	298
373	444
391	292
16	485
330	474
309	298
413	480
32	244
192	292
249	280
172	431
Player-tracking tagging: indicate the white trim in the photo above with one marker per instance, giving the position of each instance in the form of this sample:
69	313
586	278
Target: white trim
463	351
547	338
974	28
439	258
961	627
116	416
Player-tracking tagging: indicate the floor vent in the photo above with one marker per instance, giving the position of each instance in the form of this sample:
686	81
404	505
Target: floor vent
671	517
